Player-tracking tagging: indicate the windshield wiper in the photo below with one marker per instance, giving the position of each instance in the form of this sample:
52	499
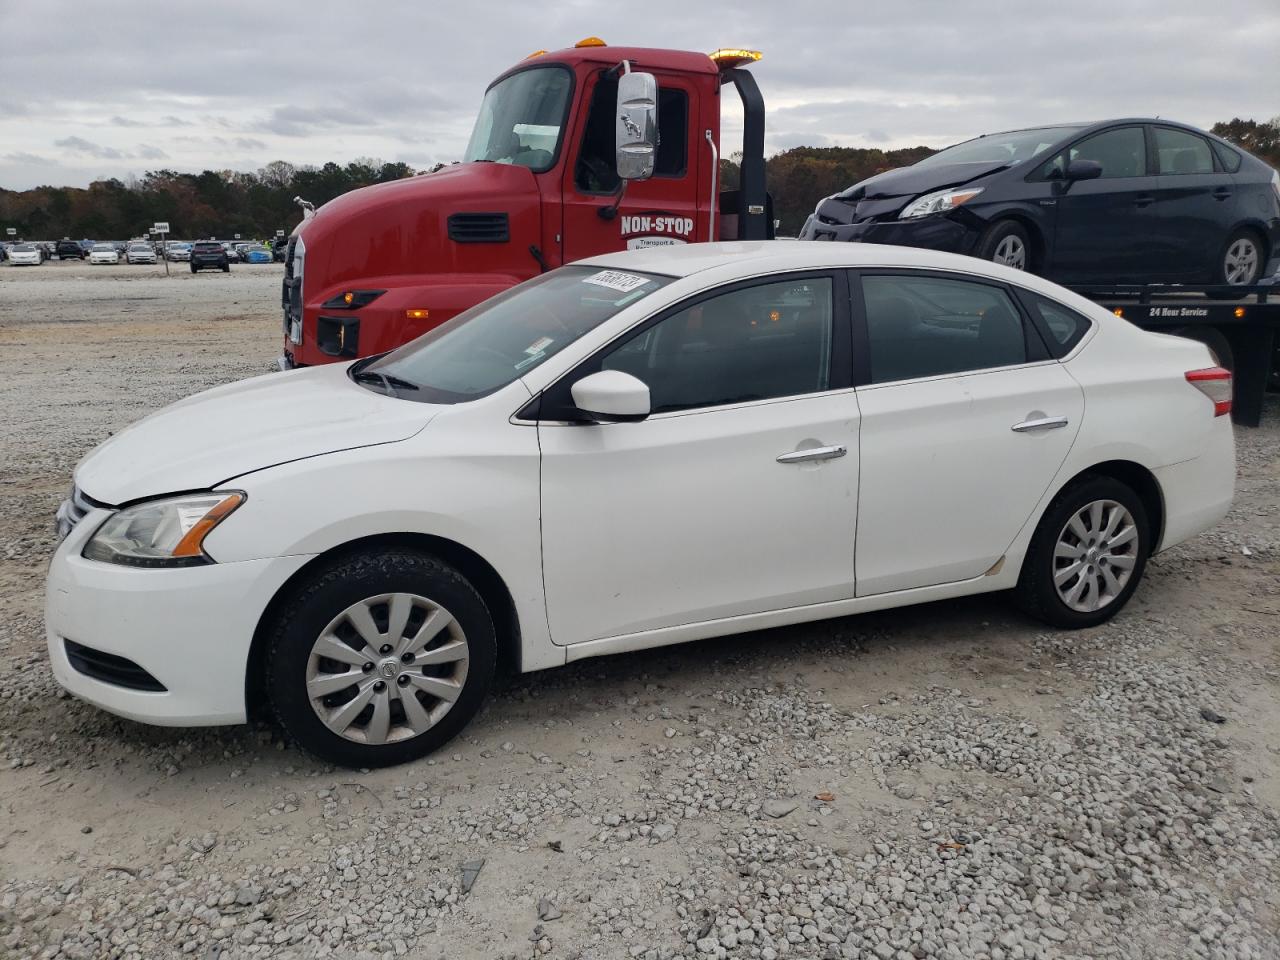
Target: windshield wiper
389	384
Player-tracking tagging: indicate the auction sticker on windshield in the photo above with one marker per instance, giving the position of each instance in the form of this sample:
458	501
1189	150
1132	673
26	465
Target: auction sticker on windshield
616	280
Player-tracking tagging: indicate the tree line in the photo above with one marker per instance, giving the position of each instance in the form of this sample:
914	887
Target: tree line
221	203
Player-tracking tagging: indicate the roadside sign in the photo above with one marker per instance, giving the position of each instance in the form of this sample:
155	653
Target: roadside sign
160	226
237	236
279	233
11	231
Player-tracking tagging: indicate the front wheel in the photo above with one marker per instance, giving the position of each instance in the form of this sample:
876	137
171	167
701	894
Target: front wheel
1087	554
1006	242
226	268
381	658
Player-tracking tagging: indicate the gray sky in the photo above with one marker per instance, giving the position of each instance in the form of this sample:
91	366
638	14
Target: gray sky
95	89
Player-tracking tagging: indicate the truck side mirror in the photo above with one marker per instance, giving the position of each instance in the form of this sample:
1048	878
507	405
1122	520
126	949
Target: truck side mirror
636	129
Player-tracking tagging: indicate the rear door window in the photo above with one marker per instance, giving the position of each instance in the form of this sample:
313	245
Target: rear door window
927	326
1179	153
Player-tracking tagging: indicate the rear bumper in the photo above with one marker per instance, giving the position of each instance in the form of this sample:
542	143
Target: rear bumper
190	629
1198	493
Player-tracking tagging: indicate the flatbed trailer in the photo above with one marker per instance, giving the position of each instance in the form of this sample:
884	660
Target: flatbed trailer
1241	325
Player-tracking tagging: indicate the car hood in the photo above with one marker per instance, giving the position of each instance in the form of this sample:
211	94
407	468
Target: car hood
223	433
914	180
886	194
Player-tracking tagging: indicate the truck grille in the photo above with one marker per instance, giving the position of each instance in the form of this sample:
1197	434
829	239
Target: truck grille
291	289
479	228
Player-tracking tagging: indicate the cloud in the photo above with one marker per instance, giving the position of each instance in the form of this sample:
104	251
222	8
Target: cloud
118	121
300	121
81	145
172	121
29	159
148	152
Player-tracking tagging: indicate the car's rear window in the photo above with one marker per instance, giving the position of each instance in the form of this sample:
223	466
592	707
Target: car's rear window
208	247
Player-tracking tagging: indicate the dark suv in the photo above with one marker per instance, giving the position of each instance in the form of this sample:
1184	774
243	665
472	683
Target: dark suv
206	254
66	249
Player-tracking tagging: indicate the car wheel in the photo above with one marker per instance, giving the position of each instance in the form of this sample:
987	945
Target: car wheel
226	268
1006	242
1241	261
1087	554
380	658
193	268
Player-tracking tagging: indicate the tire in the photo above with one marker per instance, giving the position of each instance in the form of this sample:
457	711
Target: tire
226	268
363	587
194	268
1038	594
1006	242
1241	260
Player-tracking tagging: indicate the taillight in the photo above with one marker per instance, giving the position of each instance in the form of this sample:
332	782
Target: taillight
1214	383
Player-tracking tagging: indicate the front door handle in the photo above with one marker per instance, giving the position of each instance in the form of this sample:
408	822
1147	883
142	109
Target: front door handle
1043	423
1144	201
1222	193
813	453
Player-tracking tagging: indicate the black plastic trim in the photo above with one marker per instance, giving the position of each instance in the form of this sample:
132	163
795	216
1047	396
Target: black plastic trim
480	227
110	668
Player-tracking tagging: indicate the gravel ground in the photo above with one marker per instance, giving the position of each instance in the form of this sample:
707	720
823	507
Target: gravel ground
948	781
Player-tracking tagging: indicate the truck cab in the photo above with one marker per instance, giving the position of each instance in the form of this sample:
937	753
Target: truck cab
574	153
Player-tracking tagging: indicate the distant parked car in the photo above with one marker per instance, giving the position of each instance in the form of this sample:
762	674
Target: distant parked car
104	253
230	248
140	252
178	251
1138	201
66	249
25	255
255	253
208	255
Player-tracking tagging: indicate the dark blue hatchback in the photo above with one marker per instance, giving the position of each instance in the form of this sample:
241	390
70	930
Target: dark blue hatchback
1122	201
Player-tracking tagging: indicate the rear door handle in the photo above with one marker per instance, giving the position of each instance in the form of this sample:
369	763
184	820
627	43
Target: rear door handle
813	453
1144	201
1043	423
1222	193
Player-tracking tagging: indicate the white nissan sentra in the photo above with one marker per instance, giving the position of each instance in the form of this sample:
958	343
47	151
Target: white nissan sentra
633	451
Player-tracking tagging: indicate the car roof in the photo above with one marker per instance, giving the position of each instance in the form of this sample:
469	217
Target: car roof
750	258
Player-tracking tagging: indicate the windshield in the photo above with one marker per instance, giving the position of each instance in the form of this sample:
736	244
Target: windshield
521	117
1002	148
487	347
104	247
138	246
23	248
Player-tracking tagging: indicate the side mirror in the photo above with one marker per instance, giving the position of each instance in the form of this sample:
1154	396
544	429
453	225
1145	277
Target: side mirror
611	396
1084	170
636	128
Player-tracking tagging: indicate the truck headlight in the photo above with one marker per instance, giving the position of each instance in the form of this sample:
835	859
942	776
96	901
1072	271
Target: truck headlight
162	533
939	201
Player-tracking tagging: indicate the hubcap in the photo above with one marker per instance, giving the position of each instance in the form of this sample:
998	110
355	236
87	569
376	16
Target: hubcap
1095	556
1012	252
1241	263
387	668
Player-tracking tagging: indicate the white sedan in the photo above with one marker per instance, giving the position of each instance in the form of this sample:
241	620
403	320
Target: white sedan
25	254
104	253
633	451
140	252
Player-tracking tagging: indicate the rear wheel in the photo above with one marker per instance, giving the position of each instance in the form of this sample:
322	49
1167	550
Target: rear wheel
1087	555
380	659
1241	261
1006	242
226	268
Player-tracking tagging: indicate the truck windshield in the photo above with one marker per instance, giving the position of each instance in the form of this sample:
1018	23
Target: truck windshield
521	118
487	347
1006	148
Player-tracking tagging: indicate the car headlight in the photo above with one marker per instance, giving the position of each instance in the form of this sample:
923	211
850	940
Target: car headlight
162	533
939	201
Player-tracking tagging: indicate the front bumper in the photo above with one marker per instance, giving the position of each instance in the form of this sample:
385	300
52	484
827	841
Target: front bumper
931	233
190	628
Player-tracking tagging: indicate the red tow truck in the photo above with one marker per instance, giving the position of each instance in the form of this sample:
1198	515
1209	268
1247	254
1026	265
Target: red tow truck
575	153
